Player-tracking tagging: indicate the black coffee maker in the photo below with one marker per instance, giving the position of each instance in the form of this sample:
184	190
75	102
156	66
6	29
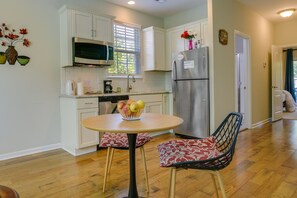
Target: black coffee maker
107	86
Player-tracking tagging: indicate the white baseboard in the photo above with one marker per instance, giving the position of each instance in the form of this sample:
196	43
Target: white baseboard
29	151
261	123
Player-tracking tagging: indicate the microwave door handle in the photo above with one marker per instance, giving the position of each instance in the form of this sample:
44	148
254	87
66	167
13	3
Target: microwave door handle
107	54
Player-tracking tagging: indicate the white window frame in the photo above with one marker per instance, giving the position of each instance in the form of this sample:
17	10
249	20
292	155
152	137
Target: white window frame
137	53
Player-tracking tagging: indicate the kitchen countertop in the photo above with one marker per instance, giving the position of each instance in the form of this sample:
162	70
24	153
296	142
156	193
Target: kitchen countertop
94	95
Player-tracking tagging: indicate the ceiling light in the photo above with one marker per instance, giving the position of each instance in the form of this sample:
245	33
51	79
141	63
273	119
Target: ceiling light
160	1
131	2
287	12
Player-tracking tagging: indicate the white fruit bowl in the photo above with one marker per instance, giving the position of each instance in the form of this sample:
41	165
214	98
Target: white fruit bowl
131	109
131	115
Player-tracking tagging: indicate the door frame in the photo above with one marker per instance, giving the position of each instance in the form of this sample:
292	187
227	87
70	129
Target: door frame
282	47
248	99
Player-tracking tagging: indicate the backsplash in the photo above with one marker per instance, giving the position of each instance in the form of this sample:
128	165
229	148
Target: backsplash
92	79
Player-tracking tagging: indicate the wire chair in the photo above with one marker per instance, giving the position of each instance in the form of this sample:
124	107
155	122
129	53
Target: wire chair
210	154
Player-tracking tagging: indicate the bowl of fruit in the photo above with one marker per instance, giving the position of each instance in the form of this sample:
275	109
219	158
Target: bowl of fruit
131	109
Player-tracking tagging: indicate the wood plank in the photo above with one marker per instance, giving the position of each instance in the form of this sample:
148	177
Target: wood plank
264	165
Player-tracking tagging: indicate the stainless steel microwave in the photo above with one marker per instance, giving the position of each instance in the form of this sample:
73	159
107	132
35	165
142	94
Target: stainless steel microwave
92	52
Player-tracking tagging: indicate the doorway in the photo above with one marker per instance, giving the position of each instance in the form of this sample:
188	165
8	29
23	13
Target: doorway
242	78
292	115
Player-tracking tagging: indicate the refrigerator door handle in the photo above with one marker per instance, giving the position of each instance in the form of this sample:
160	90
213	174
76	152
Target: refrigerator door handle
174	77
174	89
174	73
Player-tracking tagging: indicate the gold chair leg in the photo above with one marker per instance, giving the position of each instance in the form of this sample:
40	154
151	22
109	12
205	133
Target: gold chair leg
215	184
221	184
106	167
169	181
145	168
110	160
172	177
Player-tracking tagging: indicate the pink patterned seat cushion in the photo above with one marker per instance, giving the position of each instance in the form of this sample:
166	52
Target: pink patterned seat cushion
120	140
186	150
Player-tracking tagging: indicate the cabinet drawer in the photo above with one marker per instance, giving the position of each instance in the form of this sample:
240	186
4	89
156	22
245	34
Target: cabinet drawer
84	103
148	98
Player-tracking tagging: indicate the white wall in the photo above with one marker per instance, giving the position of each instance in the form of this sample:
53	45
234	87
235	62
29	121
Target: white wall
29	102
231	15
194	14
286	33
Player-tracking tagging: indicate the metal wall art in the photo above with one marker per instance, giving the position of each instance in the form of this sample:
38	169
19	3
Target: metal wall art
10	37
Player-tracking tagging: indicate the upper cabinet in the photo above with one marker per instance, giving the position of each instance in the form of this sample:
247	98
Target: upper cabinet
90	26
75	23
154	49
176	44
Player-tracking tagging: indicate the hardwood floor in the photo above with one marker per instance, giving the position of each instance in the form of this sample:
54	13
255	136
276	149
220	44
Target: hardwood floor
264	165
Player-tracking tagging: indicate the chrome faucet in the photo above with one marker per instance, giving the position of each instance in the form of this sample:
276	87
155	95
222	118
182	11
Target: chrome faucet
129	87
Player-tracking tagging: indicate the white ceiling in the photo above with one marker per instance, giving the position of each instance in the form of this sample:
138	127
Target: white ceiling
266	8
269	8
152	7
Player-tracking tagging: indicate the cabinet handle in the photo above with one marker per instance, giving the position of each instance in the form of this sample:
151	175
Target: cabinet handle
88	103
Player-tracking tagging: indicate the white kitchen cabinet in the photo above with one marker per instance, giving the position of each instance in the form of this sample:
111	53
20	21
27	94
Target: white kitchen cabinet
154	107
75	23
82	24
86	25
167	104
204	33
153	102
176	44
75	138
154	49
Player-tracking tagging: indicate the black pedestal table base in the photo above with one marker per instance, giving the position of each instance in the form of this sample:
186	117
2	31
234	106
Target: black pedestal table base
132	185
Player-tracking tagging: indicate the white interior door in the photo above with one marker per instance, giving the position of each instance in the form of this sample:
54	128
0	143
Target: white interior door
241	85
276	78
242	78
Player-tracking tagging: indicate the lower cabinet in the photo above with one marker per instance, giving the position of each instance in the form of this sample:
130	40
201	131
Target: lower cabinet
155	103
76	139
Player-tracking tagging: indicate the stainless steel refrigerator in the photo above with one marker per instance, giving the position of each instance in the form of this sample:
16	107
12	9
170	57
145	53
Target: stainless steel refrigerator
191	92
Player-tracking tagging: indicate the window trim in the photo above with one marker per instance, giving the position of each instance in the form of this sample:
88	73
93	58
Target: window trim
138	68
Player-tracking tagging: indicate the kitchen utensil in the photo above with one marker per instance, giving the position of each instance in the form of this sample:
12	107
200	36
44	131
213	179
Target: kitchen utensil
70	87
80	88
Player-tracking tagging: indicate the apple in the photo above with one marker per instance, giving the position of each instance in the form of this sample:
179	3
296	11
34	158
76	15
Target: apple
126	110
141	104
121	104
134	107
130	101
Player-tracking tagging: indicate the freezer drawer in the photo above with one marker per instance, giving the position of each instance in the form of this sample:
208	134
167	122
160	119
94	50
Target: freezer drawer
191	103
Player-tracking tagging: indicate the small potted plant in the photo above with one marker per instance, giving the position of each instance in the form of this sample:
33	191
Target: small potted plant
189	37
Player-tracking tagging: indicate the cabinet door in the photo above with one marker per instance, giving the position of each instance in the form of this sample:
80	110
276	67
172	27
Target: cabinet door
153	107
159	49
103	30
82	24
174	44
86	137
167	104
204	33
154	49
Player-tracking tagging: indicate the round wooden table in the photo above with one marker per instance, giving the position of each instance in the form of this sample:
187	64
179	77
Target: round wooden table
149	122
